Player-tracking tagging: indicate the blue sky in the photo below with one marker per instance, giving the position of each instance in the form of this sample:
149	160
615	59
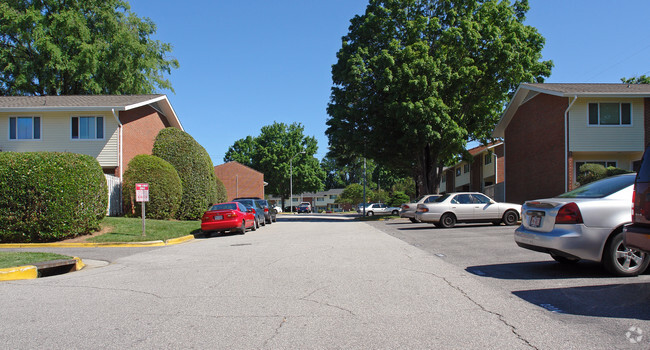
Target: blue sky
246	64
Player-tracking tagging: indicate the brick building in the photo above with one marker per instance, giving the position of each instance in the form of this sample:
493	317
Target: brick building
550	130
240	180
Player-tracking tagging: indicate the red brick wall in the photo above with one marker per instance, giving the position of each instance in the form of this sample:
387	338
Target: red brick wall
139	131
534	142
240	180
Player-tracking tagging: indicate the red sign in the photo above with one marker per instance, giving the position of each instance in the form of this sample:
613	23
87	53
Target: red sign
141	192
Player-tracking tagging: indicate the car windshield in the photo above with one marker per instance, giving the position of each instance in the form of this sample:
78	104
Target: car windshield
441	198
224	206
601	188
304	205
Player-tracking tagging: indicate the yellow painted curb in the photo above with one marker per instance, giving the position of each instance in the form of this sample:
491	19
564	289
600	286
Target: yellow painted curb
19	273
179	240
80	264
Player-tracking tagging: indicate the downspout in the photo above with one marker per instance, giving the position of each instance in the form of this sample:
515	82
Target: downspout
119	155
566	144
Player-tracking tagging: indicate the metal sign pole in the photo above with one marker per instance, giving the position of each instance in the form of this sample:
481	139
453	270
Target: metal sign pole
143	230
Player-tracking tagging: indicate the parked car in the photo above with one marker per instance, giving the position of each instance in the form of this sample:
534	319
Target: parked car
408	209
586	223
304	207
451	208
637	235
257	210
269	212
379	209
277	208
230	216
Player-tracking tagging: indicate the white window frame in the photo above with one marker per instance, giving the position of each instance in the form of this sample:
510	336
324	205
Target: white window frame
40	128
78	138
620	115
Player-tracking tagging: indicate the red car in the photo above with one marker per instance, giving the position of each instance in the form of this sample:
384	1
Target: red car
231	216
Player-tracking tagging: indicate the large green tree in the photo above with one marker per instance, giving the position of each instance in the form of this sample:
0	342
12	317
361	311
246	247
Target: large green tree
55	47
271	152
416	79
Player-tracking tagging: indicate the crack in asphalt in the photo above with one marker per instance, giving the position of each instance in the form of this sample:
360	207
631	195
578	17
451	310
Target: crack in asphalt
277	331
107	288
500	317
306	298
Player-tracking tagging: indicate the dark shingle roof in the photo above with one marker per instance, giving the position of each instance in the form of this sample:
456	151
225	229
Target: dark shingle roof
591	89
92	101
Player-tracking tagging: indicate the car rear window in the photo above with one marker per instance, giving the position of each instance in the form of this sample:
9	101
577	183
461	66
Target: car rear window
224	206
247	202
601	188
441	198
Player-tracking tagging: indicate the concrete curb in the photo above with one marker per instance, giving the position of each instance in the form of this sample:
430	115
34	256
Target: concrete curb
30	271
157	243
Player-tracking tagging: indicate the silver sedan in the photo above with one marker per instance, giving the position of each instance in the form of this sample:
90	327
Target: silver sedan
586	223
408	209
451	208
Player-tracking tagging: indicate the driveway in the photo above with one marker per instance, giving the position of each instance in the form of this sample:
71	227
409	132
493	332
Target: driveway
313	282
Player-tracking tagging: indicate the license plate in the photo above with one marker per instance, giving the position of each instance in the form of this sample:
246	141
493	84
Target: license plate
218	217
535	221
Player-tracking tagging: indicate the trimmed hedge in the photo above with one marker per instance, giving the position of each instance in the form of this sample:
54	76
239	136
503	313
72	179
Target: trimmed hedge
50	196
165	191
194	168
222	194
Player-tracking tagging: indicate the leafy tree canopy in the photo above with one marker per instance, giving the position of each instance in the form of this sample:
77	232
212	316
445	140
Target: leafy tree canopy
416	79
643	79
271	153
53	47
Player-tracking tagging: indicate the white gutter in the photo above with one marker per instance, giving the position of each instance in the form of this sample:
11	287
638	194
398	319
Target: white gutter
119	155
566	144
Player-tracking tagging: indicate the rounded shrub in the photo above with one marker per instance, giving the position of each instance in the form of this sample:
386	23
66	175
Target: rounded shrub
194	168
165	189
50	196
222	194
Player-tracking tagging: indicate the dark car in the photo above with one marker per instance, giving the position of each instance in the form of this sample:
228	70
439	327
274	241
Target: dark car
637	234
257	210
304	207
269	212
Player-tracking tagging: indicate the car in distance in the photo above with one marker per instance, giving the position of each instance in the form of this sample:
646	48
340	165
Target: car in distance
585	223
637	234
304	207
230	216
451	208
379	209
257	210
269	212
408	209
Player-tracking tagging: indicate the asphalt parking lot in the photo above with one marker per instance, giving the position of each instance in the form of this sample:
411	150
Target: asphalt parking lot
570	292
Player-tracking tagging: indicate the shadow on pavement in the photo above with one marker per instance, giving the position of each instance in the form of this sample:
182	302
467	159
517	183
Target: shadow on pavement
631	300
540	270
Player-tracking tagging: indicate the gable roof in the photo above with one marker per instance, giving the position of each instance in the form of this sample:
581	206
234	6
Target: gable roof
236	164
527	91
90	103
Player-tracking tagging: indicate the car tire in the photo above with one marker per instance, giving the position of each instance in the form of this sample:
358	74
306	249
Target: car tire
447	220
395	212
622	261
255	226
415	221
370	213
242	229
263	222
510	218
564	260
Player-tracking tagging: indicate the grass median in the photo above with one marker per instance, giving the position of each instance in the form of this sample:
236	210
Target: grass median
13	259
121	229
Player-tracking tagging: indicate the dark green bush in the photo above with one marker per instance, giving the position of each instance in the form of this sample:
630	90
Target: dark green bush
50	196
194	168
398	198
590	172
222	194
165	189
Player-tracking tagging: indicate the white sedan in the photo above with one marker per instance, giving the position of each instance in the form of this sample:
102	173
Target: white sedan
451	208
379	209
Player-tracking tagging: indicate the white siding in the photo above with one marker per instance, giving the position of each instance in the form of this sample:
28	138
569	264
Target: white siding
488	169
463	179
56	136
589	138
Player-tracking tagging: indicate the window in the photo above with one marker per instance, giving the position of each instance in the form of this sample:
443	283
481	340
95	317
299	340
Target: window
458	171
481	199
320	199
444	178
462	199
488	159
24	128
87	128
332	196
466	168
610	114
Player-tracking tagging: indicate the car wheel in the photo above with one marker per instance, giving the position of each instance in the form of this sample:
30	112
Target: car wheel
510	218
623	261
255	225
447	220
370	213
415	221
564	260
263	222
242	229
395	212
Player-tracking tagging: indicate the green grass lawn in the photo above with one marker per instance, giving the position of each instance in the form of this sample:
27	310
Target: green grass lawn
121	229
14	259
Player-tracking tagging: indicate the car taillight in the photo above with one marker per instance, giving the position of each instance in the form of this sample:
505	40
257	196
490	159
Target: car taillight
231	215
633	201
405	206
266	210
423	209
569	214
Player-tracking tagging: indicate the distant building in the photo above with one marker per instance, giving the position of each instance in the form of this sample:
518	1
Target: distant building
320	201
240	180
